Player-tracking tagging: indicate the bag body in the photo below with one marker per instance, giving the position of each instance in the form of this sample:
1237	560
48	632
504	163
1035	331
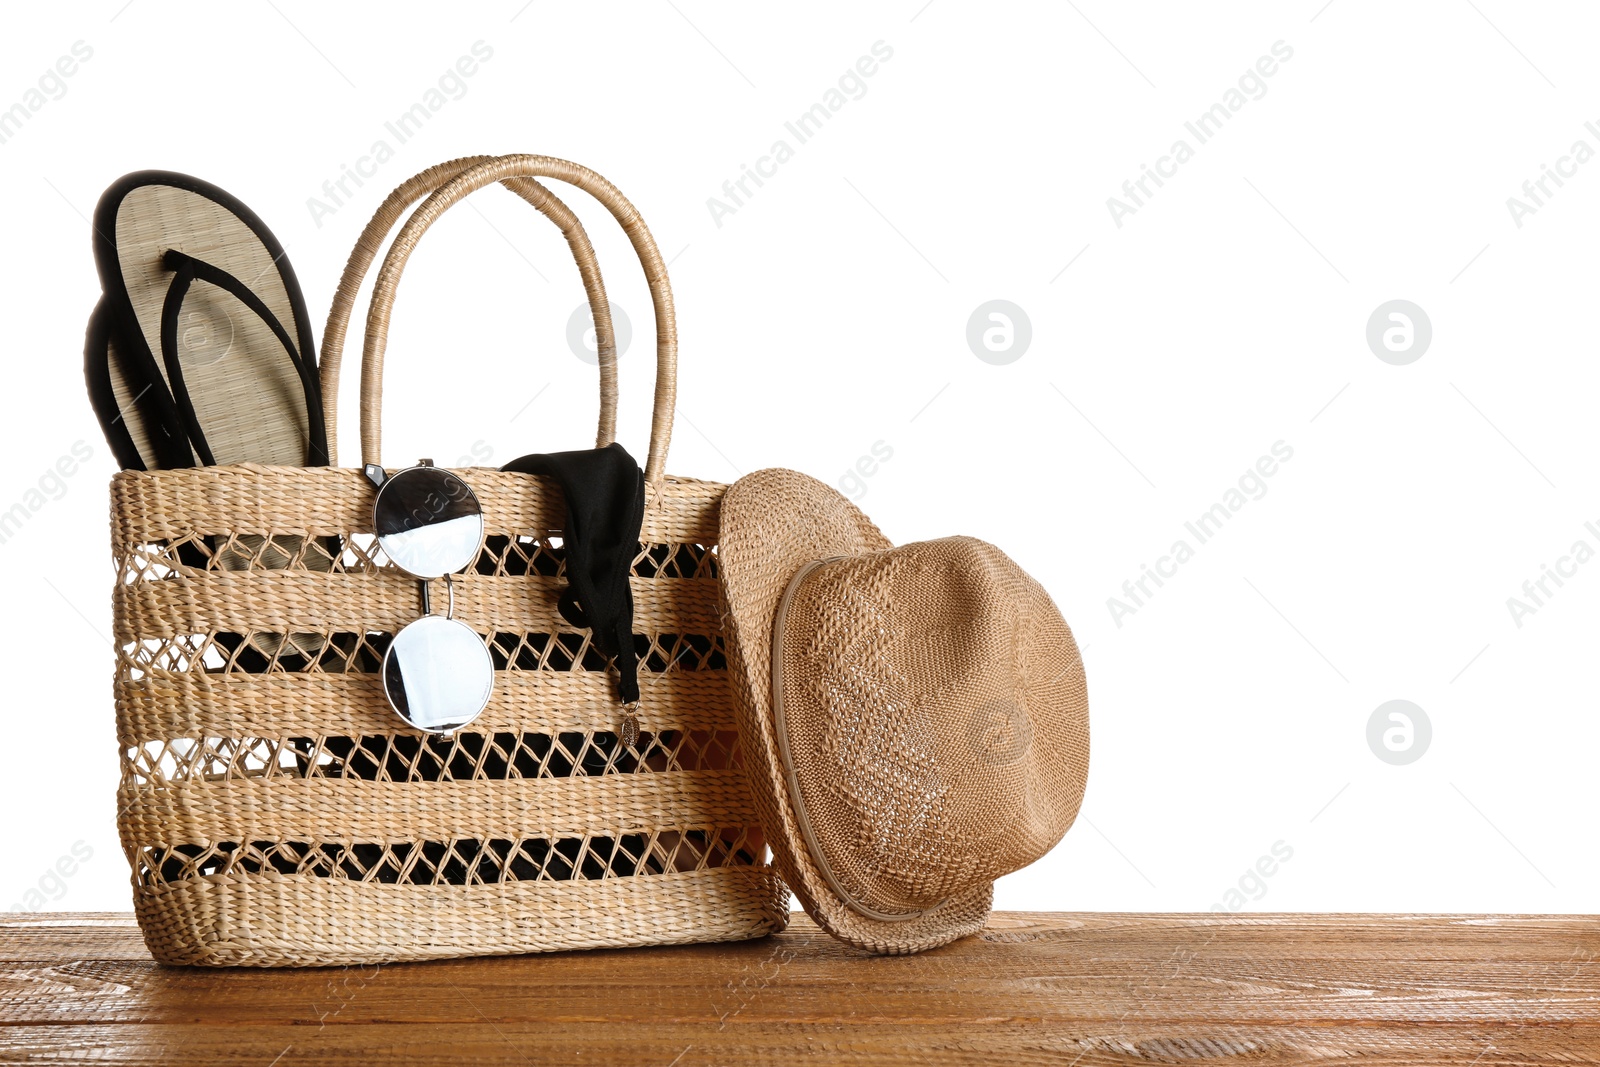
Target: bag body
276	811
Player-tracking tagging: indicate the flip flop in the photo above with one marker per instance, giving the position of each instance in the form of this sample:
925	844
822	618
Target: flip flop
209	324
125	412
201	352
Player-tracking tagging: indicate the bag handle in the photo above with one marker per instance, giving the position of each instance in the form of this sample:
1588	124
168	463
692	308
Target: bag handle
371	239
457	189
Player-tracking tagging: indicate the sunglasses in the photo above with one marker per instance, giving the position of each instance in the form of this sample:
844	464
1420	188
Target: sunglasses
437	672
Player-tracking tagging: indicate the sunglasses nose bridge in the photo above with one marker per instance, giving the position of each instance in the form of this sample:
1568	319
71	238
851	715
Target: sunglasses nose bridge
425	599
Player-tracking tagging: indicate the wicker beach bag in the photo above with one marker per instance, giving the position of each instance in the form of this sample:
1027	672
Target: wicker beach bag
286	816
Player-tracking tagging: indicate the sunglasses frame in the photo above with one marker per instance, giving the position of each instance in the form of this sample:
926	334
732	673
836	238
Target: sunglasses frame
383	481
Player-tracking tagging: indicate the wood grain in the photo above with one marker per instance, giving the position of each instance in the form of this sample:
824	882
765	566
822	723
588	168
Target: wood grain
1086	989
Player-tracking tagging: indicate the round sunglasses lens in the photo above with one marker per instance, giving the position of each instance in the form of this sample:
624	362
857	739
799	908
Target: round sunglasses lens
437	674
428	522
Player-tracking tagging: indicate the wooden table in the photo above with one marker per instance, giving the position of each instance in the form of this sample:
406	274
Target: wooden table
1034	988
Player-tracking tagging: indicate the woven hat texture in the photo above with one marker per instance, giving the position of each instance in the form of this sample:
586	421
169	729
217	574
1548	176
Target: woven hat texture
915	718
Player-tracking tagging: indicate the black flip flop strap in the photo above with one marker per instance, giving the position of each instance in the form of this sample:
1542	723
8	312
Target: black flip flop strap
186	270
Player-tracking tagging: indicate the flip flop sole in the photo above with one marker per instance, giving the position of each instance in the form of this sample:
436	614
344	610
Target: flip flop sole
247	396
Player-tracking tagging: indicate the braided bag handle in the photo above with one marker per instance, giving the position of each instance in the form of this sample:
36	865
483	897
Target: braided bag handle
457	189
371	240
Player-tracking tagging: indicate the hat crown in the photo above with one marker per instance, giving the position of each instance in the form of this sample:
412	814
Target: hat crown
935	720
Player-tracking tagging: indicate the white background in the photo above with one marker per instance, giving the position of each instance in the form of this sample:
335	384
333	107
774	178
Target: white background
829	312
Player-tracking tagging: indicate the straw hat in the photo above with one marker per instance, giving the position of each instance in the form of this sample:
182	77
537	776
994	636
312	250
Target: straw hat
915	719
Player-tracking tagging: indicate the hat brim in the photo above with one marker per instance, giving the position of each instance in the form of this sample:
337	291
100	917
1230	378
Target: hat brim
773	523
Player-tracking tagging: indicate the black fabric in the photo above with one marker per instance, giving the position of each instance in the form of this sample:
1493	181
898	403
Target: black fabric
604	493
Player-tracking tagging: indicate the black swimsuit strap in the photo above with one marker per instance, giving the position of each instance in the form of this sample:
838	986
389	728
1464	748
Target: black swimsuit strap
604	492
186	270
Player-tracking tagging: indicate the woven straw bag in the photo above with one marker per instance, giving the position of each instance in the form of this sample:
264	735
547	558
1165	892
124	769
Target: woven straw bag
288	817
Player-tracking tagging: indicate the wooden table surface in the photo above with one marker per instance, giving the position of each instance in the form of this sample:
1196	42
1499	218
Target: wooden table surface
1033	988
